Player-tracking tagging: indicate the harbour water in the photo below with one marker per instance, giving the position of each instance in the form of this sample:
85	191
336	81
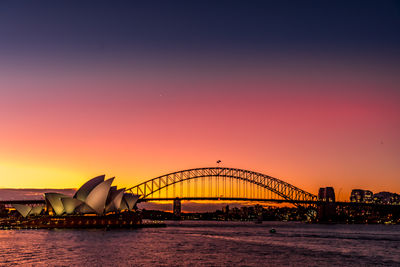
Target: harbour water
202	243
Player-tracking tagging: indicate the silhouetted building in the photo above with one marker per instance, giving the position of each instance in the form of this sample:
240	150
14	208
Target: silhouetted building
386	198
3	210
360	195
225	209
326	194
177	207
326	211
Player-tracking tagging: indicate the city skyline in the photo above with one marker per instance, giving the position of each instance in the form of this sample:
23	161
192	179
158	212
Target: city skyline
309	96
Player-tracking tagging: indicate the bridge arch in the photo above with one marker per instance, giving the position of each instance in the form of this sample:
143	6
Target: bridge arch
221	176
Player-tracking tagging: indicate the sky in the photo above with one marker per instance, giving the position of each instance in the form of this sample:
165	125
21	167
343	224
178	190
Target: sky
304	91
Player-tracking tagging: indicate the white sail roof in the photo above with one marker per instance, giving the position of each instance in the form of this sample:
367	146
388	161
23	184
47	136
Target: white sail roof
87	187
115	200
36	210
130	200
111	194
22	209
98	196
113	189
124	205
84	209
54	199
70	204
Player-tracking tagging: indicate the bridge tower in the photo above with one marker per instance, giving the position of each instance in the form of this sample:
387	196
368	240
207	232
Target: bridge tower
177	208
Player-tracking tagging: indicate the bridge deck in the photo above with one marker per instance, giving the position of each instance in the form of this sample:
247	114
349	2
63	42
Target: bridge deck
309	202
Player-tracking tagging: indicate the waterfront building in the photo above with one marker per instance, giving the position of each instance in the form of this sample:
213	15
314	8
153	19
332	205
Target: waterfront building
386	198
361	196
225	209
326	211
326	194
96	196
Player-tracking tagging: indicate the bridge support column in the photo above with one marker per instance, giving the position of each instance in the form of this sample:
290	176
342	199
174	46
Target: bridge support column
177	208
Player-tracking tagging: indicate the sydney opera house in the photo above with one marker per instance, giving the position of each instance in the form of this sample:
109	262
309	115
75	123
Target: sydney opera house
97	197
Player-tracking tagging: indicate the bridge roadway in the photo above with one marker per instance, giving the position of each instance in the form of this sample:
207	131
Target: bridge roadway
307	202
229	199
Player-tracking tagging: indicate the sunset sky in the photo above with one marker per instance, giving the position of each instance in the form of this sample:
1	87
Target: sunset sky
305	91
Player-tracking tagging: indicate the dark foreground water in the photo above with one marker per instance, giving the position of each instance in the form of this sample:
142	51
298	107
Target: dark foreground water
206	243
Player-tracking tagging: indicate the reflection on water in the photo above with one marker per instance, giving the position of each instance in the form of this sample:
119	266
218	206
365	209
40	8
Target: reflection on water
207	243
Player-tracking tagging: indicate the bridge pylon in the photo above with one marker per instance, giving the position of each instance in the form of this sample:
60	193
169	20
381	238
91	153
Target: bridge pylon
177	208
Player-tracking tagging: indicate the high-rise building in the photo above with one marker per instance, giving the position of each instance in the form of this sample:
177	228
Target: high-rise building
360	195
326	194
326	211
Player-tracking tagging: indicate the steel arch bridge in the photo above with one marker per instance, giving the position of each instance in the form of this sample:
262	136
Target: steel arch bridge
217	183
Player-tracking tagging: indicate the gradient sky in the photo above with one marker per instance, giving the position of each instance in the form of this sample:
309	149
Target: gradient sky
305	91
